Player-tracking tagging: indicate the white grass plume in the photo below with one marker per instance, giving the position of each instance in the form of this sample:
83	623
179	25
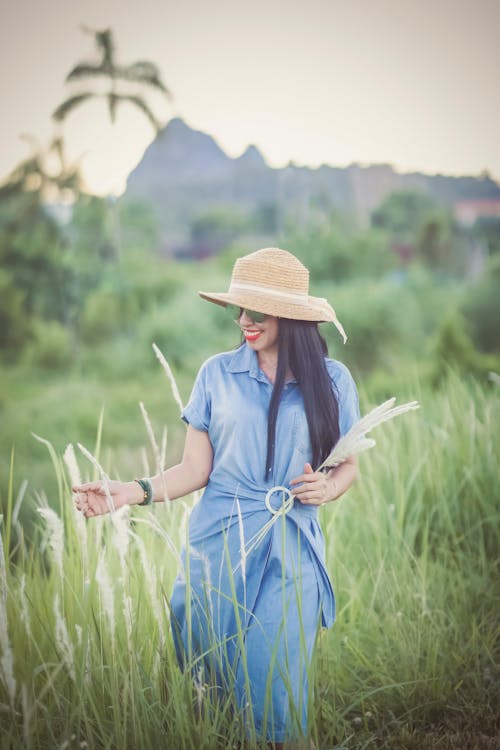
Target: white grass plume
55	527
81	530
494	377
146	471
79	520
79	634
200	687
104	476
151	580
107	595
354	441
7	660
156	450
153	523
163	450
157	661
3	572
121	536
24	610
63	643
170	376
41	499
151	435
128	608
72	465
243	553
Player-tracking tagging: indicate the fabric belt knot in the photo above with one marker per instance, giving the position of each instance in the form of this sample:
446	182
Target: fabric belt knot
284	507
287	500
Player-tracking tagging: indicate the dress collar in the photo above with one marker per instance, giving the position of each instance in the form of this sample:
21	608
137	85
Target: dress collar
245	360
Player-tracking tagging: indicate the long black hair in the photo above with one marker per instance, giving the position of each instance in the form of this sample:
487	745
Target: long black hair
302	349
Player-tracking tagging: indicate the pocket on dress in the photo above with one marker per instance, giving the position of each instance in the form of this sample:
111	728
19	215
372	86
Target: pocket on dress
300	433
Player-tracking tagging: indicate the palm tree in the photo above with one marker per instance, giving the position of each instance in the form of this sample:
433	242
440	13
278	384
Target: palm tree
36	174
142	73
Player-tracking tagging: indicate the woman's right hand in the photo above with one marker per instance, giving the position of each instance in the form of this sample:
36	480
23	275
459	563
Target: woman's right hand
91	498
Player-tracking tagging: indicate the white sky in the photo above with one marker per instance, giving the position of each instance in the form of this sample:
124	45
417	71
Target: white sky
415	84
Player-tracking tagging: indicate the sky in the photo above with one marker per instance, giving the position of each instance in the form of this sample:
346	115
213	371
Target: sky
414	84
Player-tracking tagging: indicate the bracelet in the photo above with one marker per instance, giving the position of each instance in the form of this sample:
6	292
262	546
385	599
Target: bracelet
147	488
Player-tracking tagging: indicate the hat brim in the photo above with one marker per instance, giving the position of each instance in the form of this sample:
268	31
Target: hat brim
316	310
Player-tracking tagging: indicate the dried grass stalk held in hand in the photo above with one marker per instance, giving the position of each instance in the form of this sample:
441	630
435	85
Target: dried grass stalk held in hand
354	441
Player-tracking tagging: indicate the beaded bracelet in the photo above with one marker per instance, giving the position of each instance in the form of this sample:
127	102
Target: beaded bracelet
147	489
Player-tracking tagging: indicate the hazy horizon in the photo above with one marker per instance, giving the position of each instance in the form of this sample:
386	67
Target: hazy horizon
392	83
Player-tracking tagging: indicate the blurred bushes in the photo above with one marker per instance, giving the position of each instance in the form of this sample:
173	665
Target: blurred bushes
454	350
51	346
36	277
15	324
96	283
373	324
416	225
151	280
188	330
340	252
218	227
104	314
481	307
388	320
487	229
402	213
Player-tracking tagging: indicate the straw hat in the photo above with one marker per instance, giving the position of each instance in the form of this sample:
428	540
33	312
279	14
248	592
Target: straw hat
275	282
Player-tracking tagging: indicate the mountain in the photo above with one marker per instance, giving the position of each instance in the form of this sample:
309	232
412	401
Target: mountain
184	174
179	154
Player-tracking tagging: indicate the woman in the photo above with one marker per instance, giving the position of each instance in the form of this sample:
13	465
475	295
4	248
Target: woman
254	588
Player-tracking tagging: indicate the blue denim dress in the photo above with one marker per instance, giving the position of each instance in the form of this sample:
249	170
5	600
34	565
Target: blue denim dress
246	607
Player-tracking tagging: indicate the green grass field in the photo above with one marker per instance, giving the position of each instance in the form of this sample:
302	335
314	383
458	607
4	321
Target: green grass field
413	548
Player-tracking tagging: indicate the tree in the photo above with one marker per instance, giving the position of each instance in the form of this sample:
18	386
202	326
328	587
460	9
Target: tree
36	281
36	174
481	308
417	227
434	242
142	73
402	213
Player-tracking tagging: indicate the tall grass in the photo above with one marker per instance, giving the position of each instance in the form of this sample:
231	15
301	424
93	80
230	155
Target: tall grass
87	659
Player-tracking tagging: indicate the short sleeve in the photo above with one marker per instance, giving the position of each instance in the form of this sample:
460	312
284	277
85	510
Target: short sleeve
198	409
349	404
347	395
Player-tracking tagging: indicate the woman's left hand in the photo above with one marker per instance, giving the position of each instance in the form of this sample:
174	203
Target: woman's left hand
315	488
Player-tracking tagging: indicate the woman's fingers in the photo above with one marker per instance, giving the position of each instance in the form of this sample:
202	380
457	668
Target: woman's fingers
91	498
312	487
89	487
310	495
93	506
80	500
307	478
309	483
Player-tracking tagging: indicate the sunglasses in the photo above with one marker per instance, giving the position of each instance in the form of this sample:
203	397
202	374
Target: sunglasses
236	312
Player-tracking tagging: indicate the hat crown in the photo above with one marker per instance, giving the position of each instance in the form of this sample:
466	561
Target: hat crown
272	268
